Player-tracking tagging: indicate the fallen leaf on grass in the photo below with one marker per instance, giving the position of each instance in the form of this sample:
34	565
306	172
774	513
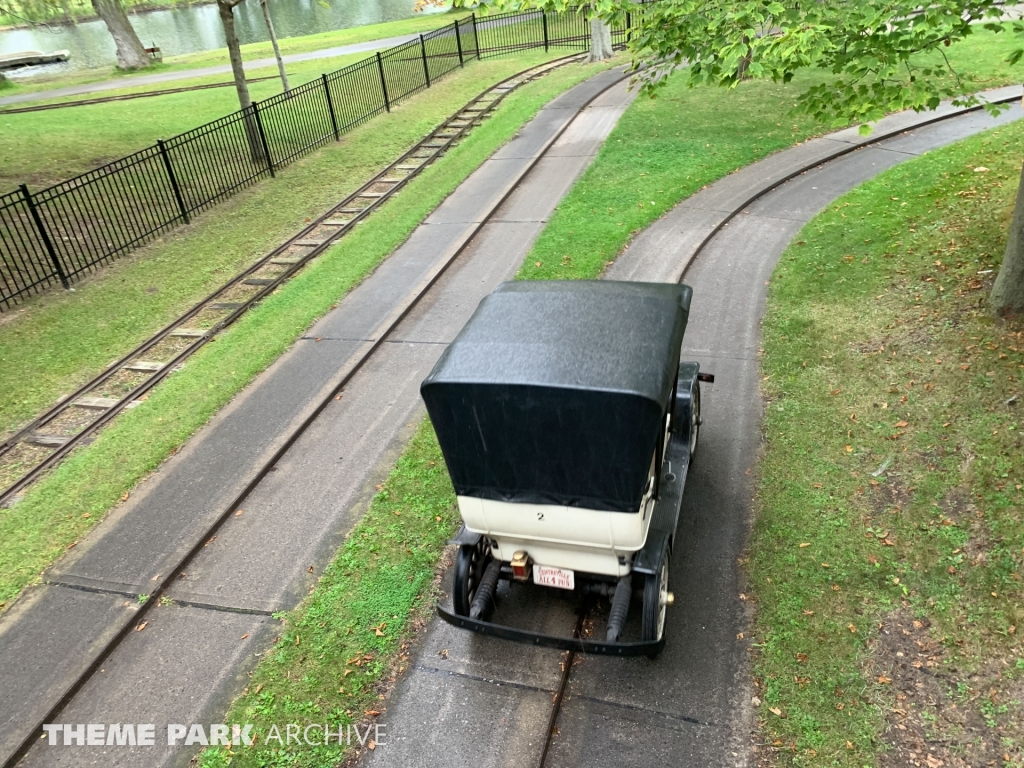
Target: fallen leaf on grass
379	629
901	424
801	658
776	711
805	544
372	712
851	627
884	680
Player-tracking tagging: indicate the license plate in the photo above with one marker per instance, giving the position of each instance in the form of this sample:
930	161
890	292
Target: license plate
562	578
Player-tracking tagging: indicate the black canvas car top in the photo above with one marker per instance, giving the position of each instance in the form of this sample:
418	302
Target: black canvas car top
554	392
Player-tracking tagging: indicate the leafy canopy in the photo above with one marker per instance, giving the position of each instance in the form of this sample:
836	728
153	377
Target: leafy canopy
883	55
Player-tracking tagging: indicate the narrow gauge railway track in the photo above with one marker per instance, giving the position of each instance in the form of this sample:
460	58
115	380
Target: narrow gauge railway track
72	422
201	537
569	658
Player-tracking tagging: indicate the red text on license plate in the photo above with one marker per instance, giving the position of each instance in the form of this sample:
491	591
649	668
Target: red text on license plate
562	578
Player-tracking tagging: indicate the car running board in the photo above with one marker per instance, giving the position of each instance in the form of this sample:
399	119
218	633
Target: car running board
578	644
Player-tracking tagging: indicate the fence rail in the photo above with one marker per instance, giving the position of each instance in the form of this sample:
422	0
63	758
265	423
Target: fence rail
56	234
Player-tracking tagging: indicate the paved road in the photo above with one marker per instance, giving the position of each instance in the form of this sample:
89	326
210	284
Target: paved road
189	662
224	69
471	700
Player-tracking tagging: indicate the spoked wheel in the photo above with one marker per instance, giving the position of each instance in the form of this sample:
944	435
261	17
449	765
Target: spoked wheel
470	564
655	603
694	420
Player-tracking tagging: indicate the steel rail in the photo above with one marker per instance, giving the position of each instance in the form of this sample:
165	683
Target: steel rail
563	684
442	138
384	330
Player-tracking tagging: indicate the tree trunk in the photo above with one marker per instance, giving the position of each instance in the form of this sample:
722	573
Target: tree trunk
744	65
227	18
277	49
131	54
252	133
1007	297
600	41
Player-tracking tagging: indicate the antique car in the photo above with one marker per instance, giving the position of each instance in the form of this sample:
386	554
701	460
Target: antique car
568	424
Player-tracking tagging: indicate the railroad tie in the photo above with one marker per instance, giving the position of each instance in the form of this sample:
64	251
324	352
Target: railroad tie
336	222
286	261
259	281
47	441
374	195
189	333
144	366
309	243
390	181
224	305
408	167
97	403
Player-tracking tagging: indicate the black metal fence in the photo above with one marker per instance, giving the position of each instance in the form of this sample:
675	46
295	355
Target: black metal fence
56	234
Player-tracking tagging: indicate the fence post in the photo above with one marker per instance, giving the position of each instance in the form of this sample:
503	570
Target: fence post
476	35
383	82
544	16
263	138
174	180
629	26
458	44
330	106
423	52
43	234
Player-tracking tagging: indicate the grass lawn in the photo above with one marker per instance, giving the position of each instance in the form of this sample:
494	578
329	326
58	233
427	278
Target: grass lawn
44	148
71	334
886	555
58	340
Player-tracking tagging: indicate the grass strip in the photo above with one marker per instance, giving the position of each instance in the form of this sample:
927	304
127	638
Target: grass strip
885	558
59	340
69	501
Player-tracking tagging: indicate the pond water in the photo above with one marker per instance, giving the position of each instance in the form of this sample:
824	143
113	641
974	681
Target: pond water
196	28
